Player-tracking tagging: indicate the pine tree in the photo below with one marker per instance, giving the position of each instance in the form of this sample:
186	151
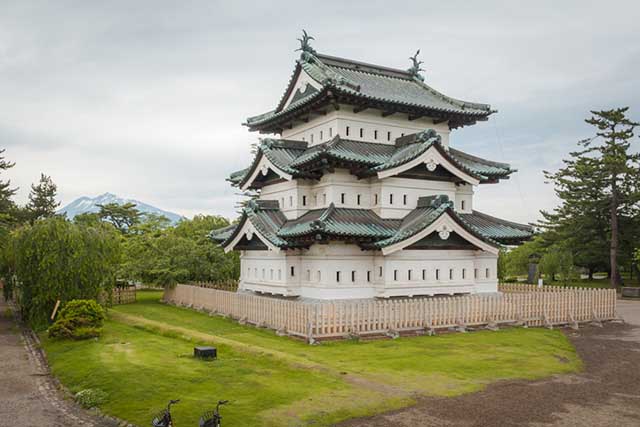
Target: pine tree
42	199
598	187
123	217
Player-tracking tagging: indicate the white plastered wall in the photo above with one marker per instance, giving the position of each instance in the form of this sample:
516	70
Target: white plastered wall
375	128
325	271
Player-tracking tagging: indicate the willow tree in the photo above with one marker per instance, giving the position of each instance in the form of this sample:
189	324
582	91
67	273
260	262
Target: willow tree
55	259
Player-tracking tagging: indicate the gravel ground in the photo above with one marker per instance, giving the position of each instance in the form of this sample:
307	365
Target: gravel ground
29	397
607	393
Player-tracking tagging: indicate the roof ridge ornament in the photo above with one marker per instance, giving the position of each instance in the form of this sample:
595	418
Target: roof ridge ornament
305	46
428	134
415	68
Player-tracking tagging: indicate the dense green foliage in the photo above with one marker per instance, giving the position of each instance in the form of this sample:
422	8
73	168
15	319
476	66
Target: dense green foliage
42	199
275	381
155	253
78	319
55	259
597	225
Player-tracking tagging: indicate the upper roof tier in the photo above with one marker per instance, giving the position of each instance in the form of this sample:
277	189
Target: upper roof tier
293	159
345	81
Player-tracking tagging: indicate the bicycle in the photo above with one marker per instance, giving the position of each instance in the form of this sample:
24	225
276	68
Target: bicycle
213	418
163	418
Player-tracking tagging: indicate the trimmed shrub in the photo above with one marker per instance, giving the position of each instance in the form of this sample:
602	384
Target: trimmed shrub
79	319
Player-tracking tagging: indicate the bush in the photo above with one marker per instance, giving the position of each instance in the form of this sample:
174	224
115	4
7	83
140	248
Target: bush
79	319
90	397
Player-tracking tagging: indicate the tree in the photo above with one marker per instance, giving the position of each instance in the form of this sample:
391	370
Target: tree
598	187
7	205
42	199
156	254
123	217
54	259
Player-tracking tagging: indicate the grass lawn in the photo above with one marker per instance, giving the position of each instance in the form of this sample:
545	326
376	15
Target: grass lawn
144	359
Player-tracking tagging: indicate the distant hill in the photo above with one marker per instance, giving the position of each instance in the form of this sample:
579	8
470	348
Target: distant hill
90	204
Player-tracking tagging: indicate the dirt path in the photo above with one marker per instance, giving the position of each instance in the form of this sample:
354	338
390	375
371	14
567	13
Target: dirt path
28	395
607	393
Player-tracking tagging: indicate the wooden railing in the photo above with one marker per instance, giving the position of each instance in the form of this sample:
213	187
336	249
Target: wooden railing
334	319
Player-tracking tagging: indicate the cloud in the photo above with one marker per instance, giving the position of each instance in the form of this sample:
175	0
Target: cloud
145	99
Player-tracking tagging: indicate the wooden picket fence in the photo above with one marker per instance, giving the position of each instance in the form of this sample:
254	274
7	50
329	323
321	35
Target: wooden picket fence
126	295
525	287
337	319
226	285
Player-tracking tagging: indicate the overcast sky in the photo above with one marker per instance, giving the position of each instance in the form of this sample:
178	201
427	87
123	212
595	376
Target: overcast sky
146	99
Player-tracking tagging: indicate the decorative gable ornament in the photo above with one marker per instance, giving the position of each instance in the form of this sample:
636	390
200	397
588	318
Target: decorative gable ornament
431	165
444	233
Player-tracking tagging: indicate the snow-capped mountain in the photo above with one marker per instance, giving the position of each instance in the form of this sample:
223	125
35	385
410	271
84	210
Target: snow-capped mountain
90	204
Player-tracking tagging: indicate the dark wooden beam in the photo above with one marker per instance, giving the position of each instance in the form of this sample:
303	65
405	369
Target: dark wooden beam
387	113
319	112
415	117
359	109
438	121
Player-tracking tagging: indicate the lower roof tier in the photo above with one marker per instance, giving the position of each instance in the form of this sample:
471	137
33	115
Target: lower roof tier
295	159
434	224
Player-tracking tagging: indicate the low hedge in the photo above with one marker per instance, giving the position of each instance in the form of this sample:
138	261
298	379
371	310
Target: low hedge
79	319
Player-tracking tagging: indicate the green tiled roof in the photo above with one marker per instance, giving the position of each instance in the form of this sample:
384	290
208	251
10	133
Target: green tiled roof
368	84
496	228
221	234
360	223
294	158
366	226
428	210
266	217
